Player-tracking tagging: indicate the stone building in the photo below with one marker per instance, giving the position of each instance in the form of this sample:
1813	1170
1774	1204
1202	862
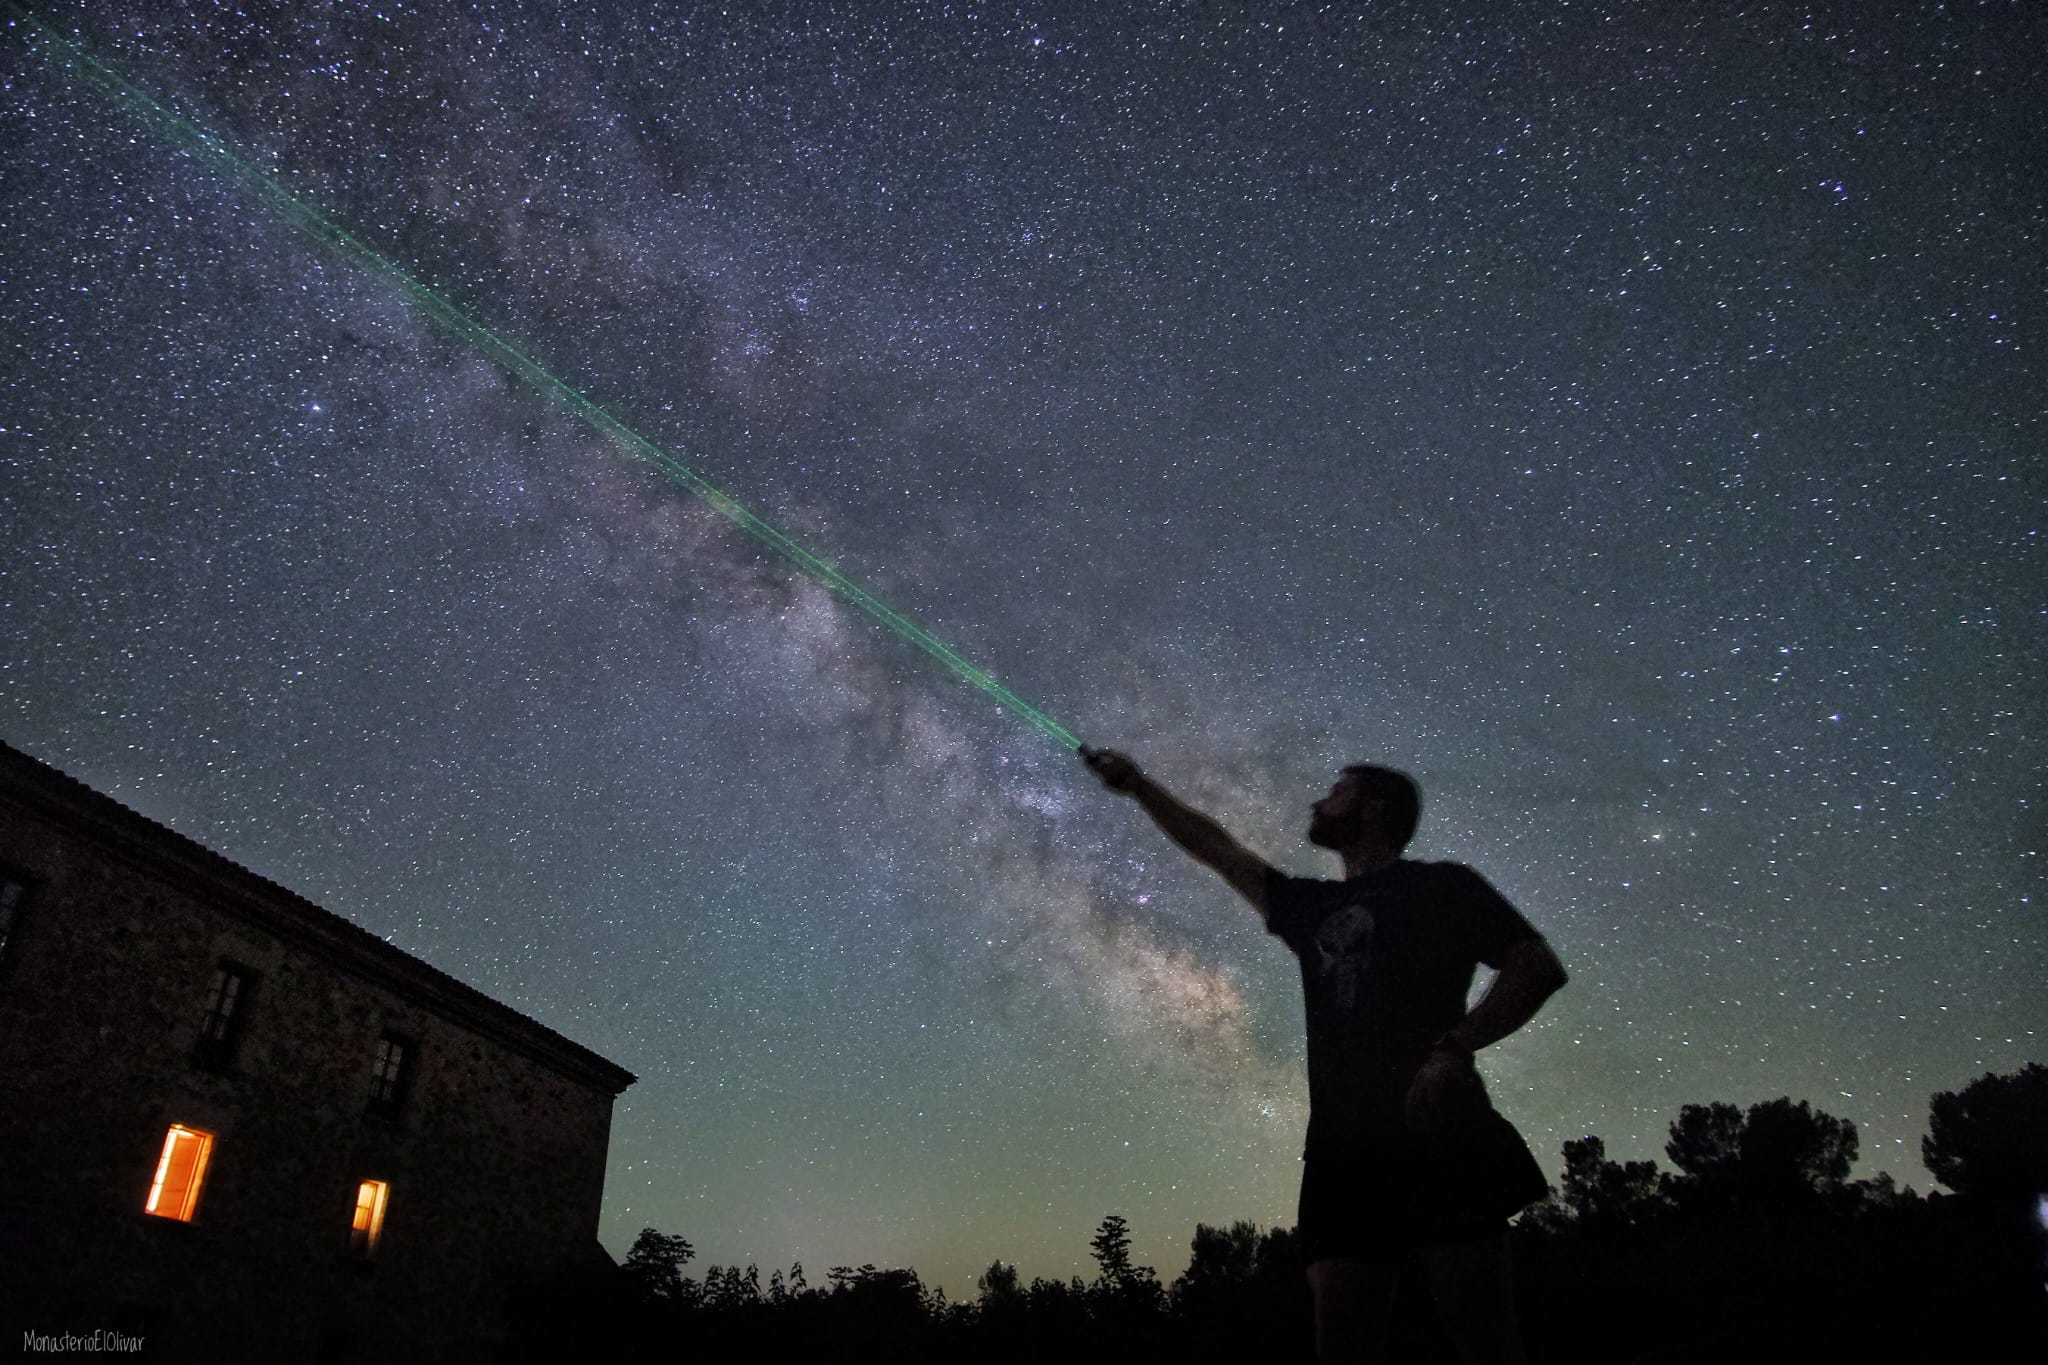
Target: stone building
234	1126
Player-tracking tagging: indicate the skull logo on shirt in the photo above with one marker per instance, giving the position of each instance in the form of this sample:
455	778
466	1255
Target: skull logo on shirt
1343	949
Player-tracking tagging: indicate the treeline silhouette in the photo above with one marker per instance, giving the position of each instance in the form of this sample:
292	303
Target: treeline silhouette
1756	1247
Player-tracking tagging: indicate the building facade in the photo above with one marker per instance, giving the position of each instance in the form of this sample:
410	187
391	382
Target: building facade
234	1126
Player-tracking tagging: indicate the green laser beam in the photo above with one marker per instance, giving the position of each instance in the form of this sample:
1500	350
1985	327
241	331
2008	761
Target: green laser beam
182	132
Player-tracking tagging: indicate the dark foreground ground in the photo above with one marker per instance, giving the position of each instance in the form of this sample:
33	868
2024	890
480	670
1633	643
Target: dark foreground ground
1870	1280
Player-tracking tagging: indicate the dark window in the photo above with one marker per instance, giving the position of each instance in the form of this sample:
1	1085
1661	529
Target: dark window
390	1075
227	1006
13	891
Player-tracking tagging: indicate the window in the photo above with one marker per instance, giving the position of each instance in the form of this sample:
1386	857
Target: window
227	1005
368	1228
13	891
179	1173
390	1075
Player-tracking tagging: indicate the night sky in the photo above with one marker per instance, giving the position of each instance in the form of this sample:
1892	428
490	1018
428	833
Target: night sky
1627	417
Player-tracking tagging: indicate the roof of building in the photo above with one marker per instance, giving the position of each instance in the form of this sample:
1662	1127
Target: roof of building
294	919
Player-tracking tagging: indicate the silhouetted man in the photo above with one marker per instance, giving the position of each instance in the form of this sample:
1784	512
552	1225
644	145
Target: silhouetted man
1406	1159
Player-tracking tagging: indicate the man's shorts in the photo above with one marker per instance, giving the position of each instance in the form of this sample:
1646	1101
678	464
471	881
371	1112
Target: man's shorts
1378	1195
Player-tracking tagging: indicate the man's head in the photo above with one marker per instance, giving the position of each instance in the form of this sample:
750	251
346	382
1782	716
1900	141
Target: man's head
1369	806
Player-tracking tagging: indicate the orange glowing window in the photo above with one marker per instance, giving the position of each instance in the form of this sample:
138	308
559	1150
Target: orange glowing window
368	1228
179	1173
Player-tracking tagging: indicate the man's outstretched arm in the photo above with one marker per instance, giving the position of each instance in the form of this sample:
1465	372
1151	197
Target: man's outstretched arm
1199	836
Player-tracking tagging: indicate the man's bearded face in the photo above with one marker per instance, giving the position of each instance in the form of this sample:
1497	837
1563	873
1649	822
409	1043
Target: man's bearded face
1335	821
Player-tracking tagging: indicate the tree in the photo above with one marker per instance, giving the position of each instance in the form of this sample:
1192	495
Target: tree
1991	1137
1878	1196
1122	1288
1790	1150
1111	1248
870	1307
1777	1152
1220	1259
1238	1280
729	1287
654	1266
1600	1190
1706	1141
999	1284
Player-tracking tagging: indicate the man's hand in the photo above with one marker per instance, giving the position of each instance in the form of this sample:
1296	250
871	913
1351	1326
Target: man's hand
1445	1091
1117	772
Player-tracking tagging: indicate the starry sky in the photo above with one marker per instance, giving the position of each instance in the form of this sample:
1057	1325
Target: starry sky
1627	417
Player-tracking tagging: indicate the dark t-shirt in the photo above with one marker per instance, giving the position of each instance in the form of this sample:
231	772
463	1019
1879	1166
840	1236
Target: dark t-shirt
1387	960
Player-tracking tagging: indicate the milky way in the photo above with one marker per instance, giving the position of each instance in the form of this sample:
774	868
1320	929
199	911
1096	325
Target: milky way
1625	418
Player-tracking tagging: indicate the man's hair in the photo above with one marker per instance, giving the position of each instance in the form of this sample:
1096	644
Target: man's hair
1399	797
